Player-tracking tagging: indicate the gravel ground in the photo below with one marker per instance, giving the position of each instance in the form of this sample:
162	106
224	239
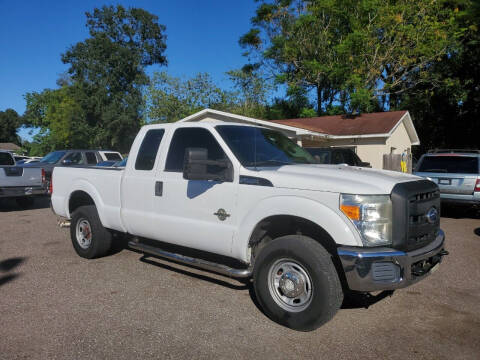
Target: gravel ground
54	304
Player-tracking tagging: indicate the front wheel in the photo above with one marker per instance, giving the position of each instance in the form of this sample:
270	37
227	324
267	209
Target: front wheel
89	238
296	283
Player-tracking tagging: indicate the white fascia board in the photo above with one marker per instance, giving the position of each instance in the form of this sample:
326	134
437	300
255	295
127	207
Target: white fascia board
359	136
412	132
297	131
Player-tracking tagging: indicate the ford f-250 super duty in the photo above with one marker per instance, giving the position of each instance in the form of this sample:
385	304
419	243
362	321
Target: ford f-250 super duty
304	233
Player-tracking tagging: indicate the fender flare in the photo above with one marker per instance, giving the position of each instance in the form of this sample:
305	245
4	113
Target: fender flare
89	189
335	224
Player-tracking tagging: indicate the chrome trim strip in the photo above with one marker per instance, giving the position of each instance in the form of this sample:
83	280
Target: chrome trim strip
357	264
200	263
364	254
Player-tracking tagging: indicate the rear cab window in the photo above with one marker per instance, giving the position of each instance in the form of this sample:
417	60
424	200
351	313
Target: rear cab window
113	156
321	155
91	158
6	159
452	164
148	149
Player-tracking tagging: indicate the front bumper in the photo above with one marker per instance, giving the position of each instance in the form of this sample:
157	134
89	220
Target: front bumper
375	269
21	191
453	199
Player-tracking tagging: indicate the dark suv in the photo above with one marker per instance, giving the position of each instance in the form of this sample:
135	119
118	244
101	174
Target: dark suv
73	157
337	155
457	173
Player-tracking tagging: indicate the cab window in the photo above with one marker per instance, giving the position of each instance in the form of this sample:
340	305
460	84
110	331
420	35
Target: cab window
75	158
91	158
191	137
149	149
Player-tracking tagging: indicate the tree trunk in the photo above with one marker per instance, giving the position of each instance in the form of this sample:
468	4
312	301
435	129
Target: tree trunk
319	100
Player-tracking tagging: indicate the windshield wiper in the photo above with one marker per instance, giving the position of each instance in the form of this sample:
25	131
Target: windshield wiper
269	162
434	170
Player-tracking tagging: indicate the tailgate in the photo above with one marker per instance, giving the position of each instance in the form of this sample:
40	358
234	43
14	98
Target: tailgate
453	183
20	176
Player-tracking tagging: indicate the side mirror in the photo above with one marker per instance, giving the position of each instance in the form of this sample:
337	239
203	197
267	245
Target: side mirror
67	162
365	164
196	166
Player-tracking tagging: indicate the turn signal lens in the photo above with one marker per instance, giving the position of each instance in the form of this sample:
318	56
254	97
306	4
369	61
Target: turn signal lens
371	215
352	211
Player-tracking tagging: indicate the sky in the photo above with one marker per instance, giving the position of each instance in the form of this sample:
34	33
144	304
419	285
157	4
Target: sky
202	36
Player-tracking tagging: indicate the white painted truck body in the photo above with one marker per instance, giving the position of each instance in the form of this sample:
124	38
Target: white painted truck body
303	231
125	198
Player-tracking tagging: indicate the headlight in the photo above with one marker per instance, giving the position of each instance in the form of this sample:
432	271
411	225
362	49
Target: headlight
372	215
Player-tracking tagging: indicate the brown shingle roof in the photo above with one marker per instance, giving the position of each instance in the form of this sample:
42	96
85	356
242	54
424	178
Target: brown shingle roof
9	146
364	124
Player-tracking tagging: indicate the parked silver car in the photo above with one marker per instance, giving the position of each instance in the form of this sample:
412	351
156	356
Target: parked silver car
457	173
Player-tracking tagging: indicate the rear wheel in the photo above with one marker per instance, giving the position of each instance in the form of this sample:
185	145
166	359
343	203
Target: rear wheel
296	283
89	238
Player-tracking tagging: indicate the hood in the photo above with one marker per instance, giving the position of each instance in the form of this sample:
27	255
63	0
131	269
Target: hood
332	178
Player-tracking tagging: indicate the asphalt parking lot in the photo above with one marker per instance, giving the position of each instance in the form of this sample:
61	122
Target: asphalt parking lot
54	304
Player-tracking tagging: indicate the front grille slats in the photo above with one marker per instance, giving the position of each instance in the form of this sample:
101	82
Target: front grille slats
411	202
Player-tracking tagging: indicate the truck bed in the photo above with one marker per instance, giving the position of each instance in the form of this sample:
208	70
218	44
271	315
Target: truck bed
102	183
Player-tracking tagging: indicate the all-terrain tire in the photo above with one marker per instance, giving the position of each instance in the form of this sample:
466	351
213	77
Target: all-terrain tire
89	238
281	267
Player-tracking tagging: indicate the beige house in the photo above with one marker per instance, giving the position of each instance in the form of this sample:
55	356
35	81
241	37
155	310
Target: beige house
370	135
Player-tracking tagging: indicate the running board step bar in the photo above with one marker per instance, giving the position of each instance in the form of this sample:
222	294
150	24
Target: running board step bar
200	263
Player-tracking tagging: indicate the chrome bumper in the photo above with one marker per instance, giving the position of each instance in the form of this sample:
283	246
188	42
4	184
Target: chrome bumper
378	269
21	191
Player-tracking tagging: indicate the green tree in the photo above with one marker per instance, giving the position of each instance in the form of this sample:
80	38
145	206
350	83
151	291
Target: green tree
252	89
448	115
359	54
296	104
169	99
108	71
10	121
60	118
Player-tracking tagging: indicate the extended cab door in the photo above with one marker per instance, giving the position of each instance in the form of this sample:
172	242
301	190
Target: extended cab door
138	186
195	213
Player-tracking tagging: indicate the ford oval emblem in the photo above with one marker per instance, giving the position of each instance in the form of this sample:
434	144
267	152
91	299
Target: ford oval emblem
432	215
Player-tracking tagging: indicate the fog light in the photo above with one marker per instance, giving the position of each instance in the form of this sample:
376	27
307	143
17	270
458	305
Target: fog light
385	272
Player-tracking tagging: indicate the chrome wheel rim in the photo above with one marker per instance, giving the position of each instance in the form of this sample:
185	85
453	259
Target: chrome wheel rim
290	285
84	233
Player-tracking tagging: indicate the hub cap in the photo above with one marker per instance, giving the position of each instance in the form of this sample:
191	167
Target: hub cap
84	233
290	285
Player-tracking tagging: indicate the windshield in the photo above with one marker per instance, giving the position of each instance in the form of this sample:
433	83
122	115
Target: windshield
53	157
449	164
262	147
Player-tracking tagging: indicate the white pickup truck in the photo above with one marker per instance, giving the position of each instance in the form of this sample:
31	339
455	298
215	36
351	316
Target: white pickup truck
18	182
305	233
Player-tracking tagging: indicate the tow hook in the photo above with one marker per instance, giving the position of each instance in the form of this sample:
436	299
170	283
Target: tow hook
65	223
443	253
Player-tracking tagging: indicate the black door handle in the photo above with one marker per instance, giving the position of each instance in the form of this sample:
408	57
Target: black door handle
159	188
